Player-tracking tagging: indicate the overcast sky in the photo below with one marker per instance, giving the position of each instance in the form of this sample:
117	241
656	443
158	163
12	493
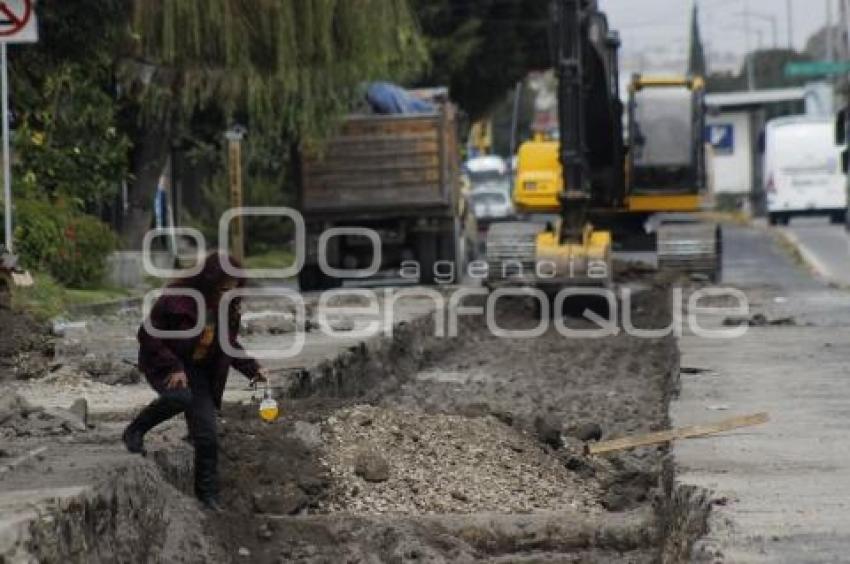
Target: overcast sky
663	24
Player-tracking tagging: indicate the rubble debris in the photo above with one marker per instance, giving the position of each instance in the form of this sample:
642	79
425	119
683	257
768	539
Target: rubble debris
19	418
62	327
759	320
455	464
109	370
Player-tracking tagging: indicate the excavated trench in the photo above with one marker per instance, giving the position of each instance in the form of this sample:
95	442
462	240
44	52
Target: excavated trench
417	408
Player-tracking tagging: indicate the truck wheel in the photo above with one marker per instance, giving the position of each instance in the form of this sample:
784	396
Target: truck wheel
453	249
773	218
426	255
838	217
312	279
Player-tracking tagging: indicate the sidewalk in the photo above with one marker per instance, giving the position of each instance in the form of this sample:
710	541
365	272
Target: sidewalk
782	489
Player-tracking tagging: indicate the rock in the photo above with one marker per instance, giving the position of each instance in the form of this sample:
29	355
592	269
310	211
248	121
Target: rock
308	433
371	466
61	327
586	432
548	431
460	496
312	485
8	407
80	408
341	324
288	501
244	552
269	324
67	419
264	532
505	417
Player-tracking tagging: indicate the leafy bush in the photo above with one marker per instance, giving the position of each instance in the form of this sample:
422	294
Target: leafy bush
71	246
80	260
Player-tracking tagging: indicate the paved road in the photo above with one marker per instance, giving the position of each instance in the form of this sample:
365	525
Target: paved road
785	485
825	247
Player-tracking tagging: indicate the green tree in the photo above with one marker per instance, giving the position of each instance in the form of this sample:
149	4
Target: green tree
288	68
696	58
68	140
481	48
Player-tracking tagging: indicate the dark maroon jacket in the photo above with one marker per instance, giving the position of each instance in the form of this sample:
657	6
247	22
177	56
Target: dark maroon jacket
159	358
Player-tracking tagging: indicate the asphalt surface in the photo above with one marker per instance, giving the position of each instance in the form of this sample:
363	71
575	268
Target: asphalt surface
783	488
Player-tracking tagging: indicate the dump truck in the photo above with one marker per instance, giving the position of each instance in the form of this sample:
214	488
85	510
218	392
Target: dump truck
398	176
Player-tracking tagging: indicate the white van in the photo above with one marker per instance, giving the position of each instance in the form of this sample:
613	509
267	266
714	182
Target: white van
802	169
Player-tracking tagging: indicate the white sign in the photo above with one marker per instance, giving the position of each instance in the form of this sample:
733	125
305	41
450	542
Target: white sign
17	21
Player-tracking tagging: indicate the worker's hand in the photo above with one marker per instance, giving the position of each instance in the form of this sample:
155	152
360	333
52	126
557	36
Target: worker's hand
261	376
177	381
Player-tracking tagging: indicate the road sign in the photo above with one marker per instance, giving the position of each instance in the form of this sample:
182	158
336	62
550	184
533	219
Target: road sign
817	68
721	136
17	25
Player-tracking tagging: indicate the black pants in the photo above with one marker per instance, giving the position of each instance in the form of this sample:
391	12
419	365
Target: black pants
198	405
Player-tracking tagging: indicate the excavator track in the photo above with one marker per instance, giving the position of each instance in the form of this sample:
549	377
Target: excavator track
512	251
690	246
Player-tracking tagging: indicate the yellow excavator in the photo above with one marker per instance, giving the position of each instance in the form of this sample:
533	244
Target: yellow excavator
560	180
574	192
667	180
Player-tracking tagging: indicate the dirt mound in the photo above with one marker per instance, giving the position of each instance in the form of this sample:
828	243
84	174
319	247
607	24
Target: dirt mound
25	346
442	464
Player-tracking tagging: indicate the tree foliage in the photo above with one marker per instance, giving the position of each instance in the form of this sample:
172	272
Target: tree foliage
696	56
482	48
68	140
288	63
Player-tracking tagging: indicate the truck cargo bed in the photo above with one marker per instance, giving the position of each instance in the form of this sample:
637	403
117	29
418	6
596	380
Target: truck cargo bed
400	164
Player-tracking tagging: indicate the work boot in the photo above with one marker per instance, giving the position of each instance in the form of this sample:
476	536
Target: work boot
206	476
212	504
160	410
134	439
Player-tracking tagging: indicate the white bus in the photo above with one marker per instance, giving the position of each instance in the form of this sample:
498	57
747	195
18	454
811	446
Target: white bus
802	170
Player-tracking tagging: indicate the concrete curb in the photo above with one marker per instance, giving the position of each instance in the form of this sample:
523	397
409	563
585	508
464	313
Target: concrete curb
105	308
810	260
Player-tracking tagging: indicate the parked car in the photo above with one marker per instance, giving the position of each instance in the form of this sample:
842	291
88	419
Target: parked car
802	170
491	204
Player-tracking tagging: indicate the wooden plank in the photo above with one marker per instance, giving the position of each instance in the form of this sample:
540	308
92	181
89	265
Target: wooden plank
681	433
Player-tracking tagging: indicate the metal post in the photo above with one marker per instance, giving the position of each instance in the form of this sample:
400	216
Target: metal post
515	119
234	150
7	163
790	14
830	37
749	60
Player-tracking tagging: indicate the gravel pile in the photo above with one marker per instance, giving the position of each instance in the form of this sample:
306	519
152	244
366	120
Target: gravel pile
398	461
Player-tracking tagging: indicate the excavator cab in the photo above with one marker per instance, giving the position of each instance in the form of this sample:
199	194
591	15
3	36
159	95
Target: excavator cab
666	171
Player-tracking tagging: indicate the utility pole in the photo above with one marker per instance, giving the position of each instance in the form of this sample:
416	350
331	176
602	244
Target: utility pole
749	57
830	37
234	153
7	154
790	14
